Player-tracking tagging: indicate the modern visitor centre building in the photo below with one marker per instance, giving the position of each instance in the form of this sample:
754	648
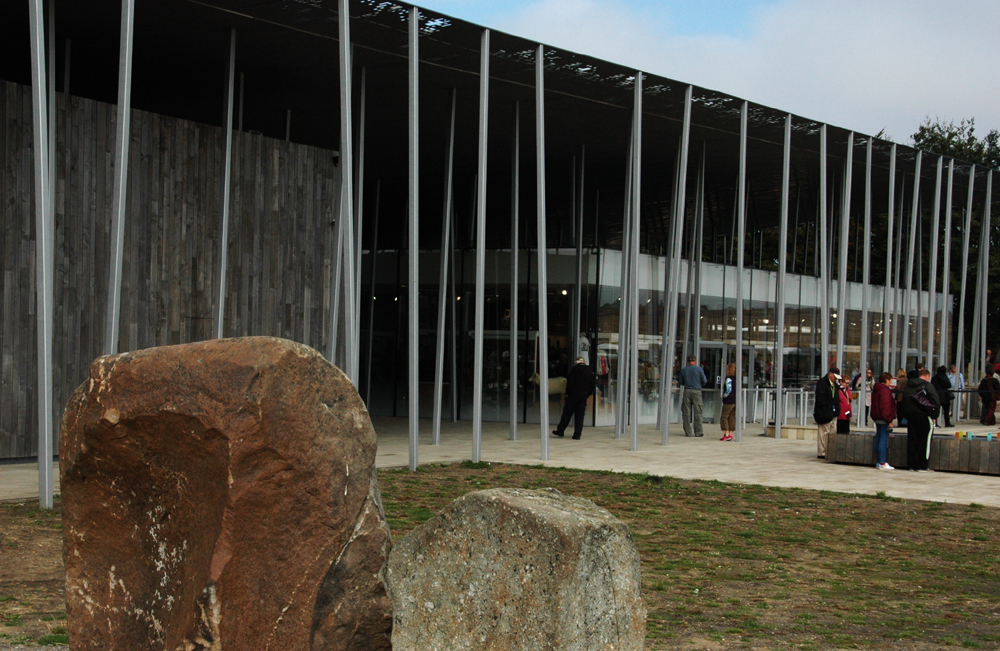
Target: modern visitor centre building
451	214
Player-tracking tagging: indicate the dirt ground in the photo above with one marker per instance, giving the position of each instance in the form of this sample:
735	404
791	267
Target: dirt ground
724	566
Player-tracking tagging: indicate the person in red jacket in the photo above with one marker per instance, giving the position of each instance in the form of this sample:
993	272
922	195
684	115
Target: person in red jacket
883	413
844	414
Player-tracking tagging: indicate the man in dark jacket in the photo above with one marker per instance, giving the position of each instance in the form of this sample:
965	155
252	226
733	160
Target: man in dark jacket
579	387
826	410
919	420
942	383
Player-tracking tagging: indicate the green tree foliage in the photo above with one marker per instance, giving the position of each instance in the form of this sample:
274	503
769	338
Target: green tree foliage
958	141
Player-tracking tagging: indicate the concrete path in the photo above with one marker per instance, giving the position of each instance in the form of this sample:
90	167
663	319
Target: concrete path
756	460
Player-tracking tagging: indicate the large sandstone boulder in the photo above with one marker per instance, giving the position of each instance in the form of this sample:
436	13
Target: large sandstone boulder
512	569
222	495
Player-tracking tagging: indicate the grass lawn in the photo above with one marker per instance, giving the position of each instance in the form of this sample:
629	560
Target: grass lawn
724	566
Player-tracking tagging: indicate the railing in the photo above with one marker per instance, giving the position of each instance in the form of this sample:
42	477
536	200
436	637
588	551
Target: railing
759	405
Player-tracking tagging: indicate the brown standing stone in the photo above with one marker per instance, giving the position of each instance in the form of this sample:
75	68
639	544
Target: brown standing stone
514	569
222	495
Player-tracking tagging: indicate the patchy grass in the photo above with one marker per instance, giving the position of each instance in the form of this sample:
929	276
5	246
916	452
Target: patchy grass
740	566
724	566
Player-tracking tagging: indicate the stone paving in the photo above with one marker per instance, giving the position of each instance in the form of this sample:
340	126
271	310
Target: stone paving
755	460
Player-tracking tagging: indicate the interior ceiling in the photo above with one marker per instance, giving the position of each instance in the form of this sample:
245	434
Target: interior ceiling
287	58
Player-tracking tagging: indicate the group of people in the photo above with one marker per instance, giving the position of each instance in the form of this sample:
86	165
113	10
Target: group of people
910	398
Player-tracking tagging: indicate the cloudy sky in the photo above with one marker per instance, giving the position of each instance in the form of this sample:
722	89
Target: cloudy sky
865	65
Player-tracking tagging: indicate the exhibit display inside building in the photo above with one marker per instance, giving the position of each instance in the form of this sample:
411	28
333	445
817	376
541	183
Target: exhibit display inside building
451	214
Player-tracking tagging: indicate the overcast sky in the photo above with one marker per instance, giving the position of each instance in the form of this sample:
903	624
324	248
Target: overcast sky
865	65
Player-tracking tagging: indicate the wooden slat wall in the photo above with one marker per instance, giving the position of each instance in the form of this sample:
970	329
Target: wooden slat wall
281	214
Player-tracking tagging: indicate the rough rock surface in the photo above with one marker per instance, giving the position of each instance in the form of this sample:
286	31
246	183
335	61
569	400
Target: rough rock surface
222	495
508	569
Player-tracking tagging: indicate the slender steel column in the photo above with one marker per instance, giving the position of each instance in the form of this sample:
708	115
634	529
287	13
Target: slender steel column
634	254
977	354
845	220
960	345
52	100
220	300
515	239
413	276
371	297
897	331
914	212
741	221
699	247
477	380
946	280
867	248
779	366
931	306
824	261
44	251
624	331
346	194
359	200
121	179
985	265
443	278
543	312
665	381
667	370
578	292
887	306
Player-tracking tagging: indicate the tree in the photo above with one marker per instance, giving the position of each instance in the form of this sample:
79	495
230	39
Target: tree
958	141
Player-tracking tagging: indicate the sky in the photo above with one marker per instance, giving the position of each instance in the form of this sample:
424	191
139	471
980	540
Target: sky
864	65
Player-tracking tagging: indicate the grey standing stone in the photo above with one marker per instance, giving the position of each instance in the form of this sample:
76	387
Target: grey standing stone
515	569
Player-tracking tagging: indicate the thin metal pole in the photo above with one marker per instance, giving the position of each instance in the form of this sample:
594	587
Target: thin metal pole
543	313
477	380
624	315
452	302
897	301
667	369
931	303
867	248
665	379
121	179
960	345
985	265
413	276
359	201
371	298
443	278
824	263
914	211
51	102
741	221
220	301
699	247
634	253
946	279
515	239
779	366
240	119
578	291
887	306
346	193
977	353
845	220
44	252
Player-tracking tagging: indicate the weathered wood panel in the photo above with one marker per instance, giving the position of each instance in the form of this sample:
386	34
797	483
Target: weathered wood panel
281	215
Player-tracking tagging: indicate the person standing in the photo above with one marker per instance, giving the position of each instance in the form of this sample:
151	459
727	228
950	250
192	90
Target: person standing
827	406
883	413
844	414
692	378
988	397
579	388
957	383
728	418
920	414
943	386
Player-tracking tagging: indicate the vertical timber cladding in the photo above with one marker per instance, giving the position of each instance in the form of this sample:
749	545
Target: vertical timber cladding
280	239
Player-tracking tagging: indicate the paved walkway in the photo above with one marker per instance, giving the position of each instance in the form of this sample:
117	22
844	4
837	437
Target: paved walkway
756	460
